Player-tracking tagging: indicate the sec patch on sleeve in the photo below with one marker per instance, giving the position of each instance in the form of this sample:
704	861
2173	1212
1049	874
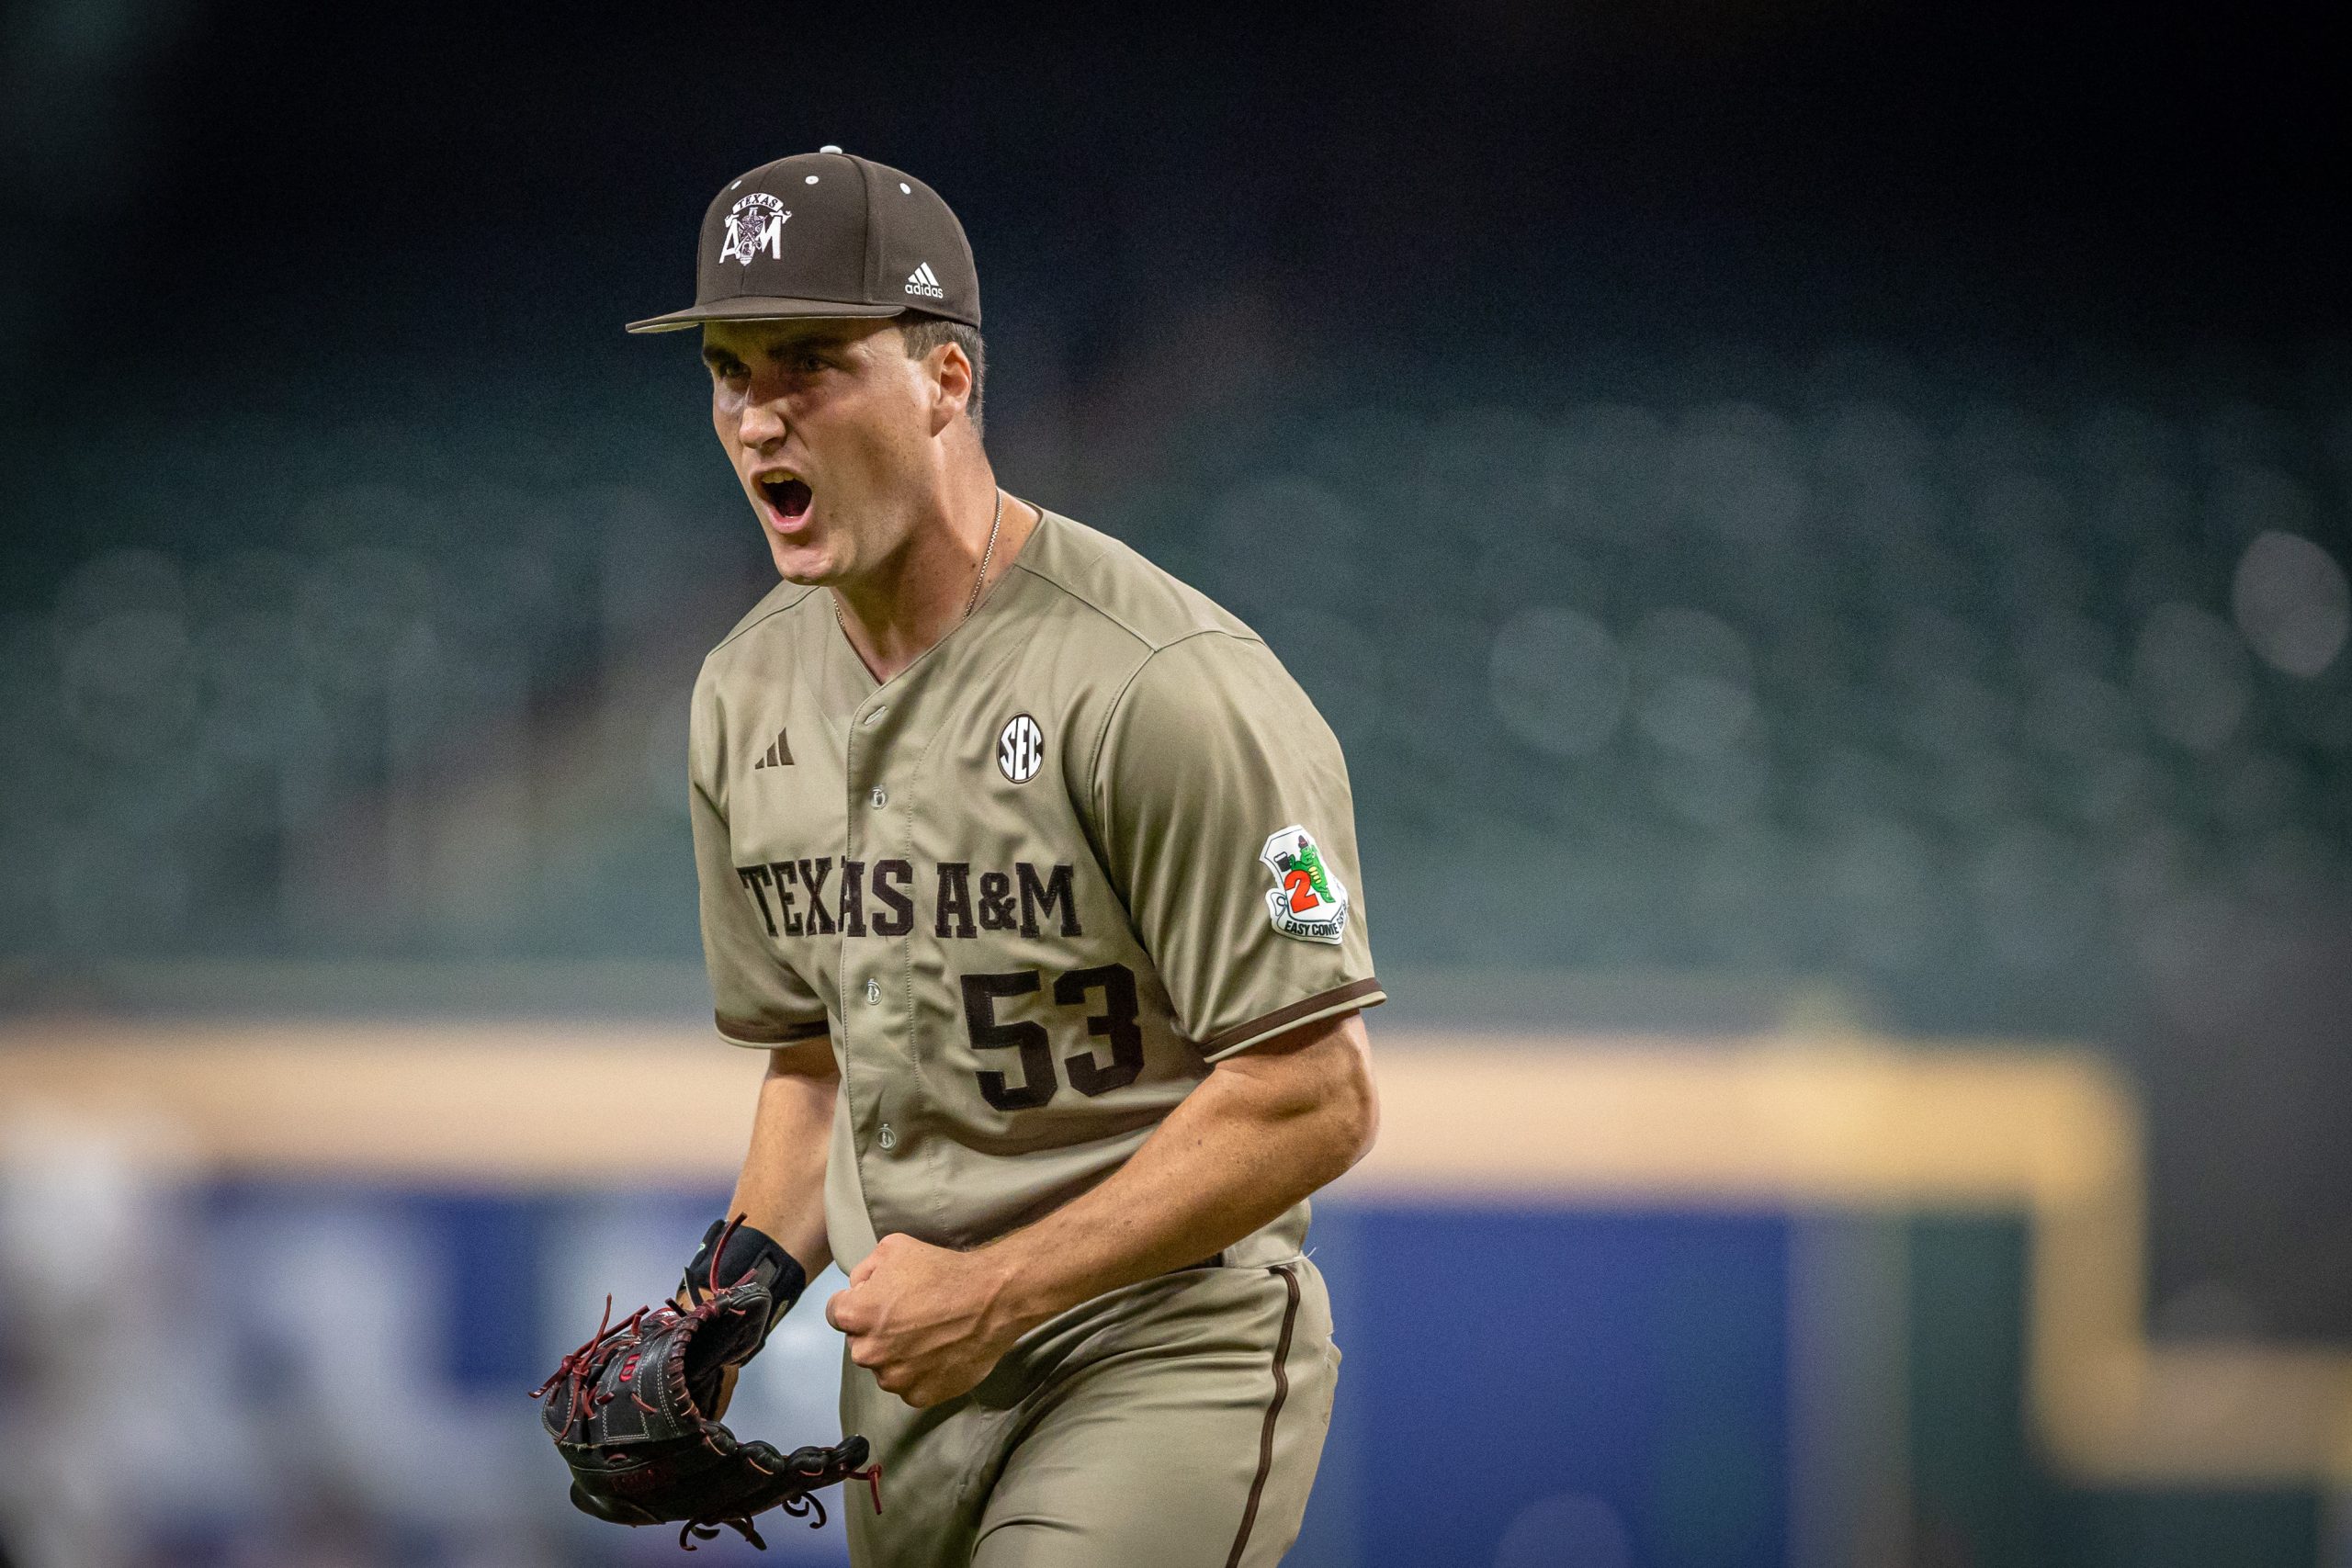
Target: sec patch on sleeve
1307	901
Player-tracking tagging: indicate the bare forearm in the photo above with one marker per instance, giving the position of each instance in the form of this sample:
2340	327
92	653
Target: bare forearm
1262	1131
782	1189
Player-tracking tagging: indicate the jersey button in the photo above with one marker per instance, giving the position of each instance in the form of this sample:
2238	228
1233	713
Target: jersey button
872	992
874	717
879	798
889	1140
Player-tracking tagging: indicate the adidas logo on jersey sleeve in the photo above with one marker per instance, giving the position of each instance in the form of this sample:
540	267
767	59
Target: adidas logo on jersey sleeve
925	282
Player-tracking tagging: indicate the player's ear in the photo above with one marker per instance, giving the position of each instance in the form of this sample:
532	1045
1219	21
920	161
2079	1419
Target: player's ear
949	372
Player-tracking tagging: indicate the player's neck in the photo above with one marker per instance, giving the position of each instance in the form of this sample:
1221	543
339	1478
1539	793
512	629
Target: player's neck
898	611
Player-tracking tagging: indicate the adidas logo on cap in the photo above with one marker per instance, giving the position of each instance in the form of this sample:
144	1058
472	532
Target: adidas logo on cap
924	281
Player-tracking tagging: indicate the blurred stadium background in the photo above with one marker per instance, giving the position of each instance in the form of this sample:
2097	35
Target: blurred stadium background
1823	532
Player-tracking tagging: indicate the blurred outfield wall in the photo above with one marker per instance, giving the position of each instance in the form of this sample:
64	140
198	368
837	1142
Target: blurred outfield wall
1815	1299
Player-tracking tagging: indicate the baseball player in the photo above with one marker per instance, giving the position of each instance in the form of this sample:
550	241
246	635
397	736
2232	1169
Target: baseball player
1035	873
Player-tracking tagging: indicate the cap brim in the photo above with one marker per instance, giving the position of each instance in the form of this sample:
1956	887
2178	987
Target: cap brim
758	309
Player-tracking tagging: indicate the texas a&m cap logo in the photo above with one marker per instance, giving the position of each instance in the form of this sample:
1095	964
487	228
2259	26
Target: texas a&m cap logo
755	227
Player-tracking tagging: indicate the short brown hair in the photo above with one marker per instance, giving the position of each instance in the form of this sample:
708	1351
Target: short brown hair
925	333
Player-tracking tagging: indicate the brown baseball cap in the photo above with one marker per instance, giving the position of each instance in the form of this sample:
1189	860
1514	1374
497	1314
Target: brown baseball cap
825	233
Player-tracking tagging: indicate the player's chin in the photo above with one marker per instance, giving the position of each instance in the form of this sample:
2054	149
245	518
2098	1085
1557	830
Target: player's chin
803	562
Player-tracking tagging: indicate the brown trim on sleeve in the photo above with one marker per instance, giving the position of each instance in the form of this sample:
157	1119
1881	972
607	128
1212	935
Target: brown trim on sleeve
748	1031
1273	1409
1282	1018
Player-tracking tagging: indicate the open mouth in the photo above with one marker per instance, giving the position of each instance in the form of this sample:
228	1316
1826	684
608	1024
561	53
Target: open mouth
788	494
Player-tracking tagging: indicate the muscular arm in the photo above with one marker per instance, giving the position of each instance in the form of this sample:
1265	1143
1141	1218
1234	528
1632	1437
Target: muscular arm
782	1188
781	1191
1266	1128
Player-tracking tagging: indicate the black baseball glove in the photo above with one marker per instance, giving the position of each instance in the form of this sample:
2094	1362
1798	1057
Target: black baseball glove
632	1412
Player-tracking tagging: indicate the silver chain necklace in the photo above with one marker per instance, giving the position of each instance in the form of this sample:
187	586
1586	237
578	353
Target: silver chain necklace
988	553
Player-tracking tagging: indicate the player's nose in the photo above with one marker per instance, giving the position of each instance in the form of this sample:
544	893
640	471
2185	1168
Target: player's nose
761	425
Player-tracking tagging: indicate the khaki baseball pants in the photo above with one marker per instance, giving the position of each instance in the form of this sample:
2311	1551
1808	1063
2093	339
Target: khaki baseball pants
1176	1422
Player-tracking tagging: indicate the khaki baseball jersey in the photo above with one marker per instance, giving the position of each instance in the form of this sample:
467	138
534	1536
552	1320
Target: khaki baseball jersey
1092	841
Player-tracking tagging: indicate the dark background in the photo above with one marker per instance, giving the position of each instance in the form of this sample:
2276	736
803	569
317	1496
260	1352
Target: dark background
318	280
1428	176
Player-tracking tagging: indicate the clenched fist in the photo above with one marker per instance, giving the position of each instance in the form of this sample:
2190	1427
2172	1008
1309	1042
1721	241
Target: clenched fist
927	1322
